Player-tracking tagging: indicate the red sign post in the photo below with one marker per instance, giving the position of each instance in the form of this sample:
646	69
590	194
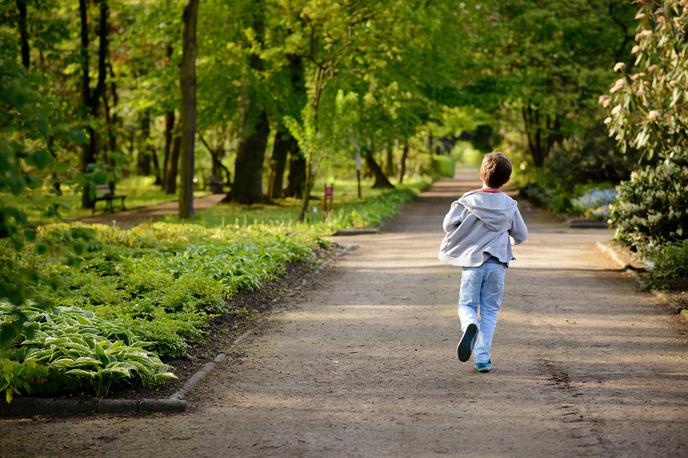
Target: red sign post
328	202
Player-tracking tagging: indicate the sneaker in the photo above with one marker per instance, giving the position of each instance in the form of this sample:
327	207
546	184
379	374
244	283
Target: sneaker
467	342
483	367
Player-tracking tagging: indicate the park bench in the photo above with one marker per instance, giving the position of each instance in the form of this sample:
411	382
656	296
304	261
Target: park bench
103	192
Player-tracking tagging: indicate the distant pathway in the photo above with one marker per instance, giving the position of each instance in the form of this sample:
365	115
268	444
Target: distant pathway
129	218
585	364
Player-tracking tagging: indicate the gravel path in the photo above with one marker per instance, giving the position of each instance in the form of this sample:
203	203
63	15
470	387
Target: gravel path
584	364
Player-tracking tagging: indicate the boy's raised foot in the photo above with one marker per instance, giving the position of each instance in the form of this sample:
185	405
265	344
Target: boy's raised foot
467	342
483	367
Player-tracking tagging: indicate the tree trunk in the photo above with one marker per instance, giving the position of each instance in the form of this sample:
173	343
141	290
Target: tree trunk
156	167
296	179
389	163
172	166
404	158
91	99
284	143
248	168
169	138
318	87
144	156
218	169
381	180
87	156
111	121
24	34
307	188
187	81
541	133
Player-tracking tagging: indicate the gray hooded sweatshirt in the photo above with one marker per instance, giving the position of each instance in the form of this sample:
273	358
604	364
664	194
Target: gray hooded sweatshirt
479	225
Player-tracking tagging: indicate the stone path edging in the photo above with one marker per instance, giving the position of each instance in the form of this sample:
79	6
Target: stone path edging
31	406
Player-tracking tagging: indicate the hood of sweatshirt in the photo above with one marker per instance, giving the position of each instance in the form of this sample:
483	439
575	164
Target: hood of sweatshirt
496	210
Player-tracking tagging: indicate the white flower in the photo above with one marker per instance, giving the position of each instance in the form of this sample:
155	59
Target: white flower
653	115
619	67
652	68
619	84
616	110
604	101
635	50
640	35
608	120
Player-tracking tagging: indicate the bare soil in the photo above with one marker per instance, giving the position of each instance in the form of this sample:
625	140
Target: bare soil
585	364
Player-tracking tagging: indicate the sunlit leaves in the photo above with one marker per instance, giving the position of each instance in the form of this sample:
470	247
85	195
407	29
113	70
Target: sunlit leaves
647	105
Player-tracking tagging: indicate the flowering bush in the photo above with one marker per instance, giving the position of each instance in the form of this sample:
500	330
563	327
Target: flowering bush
648	106
647	111
594	204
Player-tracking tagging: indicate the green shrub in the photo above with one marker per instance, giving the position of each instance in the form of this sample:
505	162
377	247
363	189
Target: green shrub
466	154
671	265
652	207
443	166
376	209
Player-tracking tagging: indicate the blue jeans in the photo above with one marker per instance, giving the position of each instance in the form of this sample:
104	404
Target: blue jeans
481	287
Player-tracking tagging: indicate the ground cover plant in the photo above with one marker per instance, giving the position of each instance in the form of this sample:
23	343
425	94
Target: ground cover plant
106	313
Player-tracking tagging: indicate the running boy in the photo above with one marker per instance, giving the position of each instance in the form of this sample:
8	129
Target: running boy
478	229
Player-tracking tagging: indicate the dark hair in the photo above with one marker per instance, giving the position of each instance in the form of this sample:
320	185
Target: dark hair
495	170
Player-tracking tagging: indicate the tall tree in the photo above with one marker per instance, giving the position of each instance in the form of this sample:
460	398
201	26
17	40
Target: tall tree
91	97
24	34
188	111
284	144
247	187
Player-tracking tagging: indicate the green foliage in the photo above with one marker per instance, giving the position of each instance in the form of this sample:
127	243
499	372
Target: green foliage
647	113
375	210
164	281
68	347
18	378
443	166
589	200
652	206
588	157
671	266
465	153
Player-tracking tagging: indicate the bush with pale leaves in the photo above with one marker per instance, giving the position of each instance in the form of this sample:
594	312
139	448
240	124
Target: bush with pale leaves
647	109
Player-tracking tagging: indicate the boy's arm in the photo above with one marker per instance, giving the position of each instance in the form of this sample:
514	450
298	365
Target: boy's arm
453	218
518	231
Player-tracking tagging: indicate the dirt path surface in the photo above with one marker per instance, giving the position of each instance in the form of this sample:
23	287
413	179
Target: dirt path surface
128	218
584	365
